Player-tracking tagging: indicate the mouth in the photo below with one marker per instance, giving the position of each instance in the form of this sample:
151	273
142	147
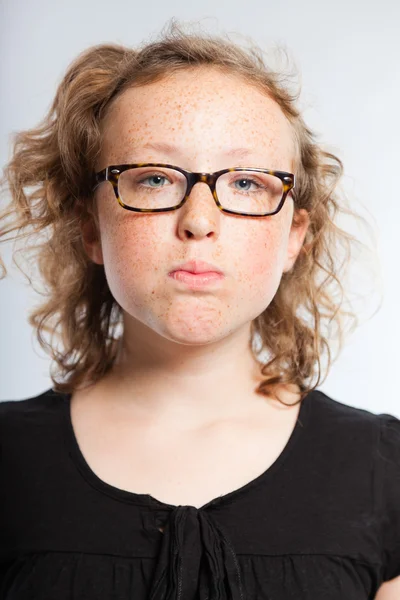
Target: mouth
197	267
196	280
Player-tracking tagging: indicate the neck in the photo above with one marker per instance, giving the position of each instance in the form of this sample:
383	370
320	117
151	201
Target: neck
161	379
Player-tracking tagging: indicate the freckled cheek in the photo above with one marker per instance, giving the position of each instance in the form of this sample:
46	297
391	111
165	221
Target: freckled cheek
130	257
262	257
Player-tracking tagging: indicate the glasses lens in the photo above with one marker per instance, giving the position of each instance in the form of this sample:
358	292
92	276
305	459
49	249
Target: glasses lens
152	187
249	192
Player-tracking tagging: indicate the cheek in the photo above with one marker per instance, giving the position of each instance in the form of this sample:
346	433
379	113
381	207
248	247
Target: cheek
131	250
262	262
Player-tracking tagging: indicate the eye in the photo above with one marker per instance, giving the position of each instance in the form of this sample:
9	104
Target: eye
247	181
157	179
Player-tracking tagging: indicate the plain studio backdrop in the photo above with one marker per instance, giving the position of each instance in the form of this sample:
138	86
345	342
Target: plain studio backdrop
347	54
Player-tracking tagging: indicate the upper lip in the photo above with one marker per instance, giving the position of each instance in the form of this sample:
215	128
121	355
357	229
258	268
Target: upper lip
197	266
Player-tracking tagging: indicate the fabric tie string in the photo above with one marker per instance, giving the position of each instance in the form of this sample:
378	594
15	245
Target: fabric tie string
196	560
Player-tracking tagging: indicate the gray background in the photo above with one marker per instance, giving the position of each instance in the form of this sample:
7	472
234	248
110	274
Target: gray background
347	54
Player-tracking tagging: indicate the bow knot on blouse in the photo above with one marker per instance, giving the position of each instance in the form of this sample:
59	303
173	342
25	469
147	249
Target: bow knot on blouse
196	554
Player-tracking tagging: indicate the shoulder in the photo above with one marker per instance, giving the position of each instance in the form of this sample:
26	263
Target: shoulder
18	415
346	422
362	449
332	407
384	427
357	440
29	405
31	435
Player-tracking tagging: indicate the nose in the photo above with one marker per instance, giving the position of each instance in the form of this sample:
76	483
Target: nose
199	192
202	178
198	216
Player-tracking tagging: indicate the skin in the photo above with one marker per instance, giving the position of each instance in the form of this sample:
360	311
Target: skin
185	354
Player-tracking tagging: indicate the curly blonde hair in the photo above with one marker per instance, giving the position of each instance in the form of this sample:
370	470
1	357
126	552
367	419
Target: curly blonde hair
49	180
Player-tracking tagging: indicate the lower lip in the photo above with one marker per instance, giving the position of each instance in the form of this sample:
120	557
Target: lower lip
196	280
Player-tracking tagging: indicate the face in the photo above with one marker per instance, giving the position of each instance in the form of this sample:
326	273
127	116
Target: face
204	114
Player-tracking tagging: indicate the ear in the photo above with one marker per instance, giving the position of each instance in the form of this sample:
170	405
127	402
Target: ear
91	241
298	230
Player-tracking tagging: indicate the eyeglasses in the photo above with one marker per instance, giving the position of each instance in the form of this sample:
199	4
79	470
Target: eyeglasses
158	187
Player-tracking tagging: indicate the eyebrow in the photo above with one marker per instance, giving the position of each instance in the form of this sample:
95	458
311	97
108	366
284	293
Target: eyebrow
240	152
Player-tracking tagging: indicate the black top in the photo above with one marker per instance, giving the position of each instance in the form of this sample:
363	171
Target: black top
322	522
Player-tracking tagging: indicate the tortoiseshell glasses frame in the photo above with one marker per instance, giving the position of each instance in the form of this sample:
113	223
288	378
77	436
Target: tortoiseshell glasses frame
113	172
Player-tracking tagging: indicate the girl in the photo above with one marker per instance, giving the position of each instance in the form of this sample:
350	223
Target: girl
188	213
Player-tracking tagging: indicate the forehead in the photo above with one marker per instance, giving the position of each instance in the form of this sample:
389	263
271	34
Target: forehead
203	111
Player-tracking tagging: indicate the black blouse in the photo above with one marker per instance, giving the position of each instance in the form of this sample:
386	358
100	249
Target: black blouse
323	522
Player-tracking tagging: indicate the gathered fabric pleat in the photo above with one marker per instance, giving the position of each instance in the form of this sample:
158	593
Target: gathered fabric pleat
196	560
